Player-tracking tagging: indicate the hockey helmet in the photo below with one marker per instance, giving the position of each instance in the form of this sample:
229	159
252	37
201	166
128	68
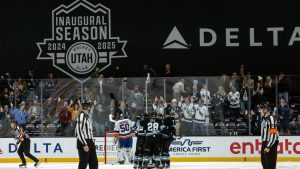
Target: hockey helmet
123	116
153	114
86	103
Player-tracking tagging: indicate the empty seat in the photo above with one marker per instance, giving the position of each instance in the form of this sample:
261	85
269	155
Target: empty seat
242	128
239	119
210	129
51	129
231	128
30	126
40	129
219	128
297	127
45	121
31	129
292	127
12	133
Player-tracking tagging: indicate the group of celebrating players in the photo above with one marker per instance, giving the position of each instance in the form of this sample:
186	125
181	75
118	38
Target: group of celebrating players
155	133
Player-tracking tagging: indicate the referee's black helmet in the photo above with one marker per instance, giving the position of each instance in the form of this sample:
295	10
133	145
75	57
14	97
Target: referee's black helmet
266	105
86	103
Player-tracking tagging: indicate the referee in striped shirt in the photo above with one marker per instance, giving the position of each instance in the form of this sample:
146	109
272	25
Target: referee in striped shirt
85	145
24	148
269	136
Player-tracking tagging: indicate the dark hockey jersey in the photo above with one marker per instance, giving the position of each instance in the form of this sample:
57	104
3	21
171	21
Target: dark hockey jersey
152	126
170	127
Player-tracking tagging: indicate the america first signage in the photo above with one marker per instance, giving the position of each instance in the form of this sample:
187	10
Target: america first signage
81	40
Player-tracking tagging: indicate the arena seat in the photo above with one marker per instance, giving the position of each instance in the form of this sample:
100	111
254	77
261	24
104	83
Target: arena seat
292	126
231	128
242	128
12	133
211	129
31	129
297	128
51	129
220	128
40	130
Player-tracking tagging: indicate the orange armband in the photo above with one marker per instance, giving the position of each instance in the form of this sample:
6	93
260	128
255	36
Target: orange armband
273	131
116	135
22	133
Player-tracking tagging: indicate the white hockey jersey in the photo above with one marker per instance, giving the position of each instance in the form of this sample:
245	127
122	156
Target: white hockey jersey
205	96
201	113
123	128
187	111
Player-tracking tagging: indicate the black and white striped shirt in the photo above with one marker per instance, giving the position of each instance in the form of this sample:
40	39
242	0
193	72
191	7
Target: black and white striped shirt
83	128
269	131
20	134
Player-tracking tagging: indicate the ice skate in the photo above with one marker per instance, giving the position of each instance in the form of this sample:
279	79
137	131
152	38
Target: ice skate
36	165
22	165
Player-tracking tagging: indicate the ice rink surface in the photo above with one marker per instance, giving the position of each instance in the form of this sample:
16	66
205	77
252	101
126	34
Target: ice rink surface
202	165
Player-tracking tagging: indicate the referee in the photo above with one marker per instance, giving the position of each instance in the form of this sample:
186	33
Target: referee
24	148
85	145
269	136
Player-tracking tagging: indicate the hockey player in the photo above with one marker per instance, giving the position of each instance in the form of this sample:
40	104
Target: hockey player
141	138
122	132
168	135
23	138
152	126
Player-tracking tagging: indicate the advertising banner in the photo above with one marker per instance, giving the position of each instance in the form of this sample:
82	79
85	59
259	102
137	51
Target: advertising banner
186	147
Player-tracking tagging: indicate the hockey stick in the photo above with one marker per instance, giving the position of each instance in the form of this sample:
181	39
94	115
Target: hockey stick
179	137
111	119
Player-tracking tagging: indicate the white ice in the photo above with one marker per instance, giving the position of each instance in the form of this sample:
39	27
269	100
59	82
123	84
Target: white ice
202	165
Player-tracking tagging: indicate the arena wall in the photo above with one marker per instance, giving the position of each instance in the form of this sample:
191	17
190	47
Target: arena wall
186	149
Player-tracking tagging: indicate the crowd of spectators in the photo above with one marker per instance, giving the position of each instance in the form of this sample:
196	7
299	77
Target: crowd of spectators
235	100
201	106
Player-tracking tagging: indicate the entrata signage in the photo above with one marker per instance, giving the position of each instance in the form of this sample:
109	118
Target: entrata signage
81	40
285	146
208	37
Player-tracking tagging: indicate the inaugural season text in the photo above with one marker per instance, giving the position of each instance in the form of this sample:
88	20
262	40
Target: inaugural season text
81	28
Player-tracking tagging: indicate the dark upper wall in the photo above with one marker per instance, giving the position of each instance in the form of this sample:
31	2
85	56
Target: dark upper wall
146	25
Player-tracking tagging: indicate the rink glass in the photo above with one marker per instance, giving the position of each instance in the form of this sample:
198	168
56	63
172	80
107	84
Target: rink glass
45	121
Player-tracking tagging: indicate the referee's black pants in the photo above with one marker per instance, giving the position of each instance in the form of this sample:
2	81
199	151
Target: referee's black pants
268	160
87	158
24	149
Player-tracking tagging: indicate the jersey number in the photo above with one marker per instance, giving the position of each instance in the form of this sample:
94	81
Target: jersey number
124	127
153	126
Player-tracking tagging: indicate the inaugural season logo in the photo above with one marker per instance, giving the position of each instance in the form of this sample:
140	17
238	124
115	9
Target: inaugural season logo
81	40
